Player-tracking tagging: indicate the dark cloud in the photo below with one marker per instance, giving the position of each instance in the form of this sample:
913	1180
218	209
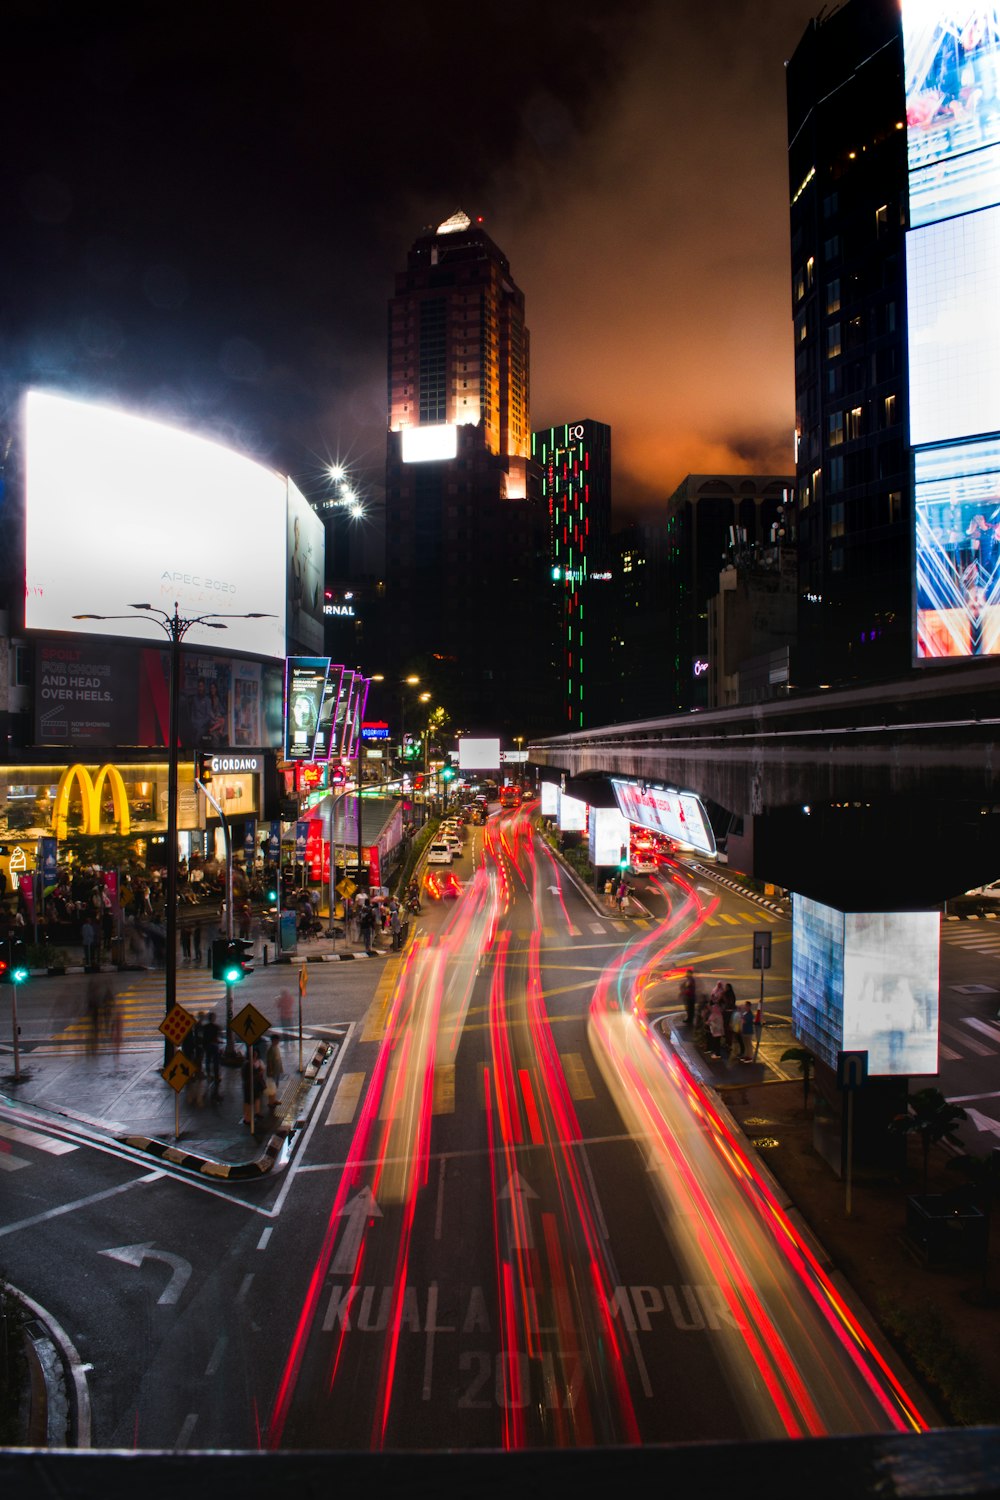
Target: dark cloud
209	202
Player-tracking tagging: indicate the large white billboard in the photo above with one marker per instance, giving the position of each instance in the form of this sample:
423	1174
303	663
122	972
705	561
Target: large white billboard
306	542
429	444
123	510
572	815
478	755
609	835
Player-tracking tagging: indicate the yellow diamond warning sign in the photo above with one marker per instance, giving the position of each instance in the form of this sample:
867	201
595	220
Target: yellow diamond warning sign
176	1024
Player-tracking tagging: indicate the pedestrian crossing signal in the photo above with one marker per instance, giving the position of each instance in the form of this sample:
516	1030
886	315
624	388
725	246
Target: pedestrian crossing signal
203	768
231	959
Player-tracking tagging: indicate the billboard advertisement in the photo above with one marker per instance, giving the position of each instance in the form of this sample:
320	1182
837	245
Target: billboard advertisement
357	718
305	684
102	694
609	833
478	755
951	57
572	814
306	543
957	508
867	982
429	443
549	791
120	508
323	741
679	815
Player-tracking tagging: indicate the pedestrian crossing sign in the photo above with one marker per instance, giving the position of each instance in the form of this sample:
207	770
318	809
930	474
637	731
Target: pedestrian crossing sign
176	1024
249	1025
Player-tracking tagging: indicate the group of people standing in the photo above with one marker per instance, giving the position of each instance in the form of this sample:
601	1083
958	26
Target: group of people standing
720	1021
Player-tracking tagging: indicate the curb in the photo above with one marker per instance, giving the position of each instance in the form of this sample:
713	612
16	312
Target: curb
55	1358
210	1166
740	890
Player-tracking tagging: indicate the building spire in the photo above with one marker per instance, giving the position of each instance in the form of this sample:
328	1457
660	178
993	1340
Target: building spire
459	220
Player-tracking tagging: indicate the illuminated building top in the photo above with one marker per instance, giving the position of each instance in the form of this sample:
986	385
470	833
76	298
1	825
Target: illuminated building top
458	220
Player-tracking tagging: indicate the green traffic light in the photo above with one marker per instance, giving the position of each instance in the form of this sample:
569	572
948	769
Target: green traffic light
18	976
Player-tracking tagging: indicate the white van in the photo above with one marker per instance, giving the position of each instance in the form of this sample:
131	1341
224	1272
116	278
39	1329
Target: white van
439	852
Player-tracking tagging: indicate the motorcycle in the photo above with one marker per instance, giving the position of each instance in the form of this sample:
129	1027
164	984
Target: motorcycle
413	905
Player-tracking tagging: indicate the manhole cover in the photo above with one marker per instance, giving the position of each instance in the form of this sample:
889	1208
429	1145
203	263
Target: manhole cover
755	1120
766	1142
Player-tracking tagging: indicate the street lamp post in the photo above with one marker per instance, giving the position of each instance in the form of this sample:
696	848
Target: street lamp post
175	629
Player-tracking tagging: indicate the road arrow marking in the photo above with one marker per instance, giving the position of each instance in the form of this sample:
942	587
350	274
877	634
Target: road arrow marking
134	1255
518	1188
357	1213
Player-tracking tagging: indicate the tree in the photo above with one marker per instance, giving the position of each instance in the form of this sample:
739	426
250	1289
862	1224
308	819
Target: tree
805	1060
932	1119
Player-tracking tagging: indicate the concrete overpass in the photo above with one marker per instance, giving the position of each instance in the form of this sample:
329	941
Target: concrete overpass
880	797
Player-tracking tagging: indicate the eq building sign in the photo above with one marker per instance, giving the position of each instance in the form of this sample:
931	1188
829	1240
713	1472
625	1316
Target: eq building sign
867	982
679	815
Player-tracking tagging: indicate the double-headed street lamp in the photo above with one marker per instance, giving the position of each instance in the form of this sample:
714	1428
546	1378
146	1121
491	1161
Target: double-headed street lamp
176	629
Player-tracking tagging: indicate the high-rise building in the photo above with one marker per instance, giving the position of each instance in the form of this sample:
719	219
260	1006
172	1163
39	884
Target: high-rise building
466	548
575	464
848	209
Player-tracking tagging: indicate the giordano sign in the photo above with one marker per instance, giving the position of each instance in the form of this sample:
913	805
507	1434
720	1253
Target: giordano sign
90	796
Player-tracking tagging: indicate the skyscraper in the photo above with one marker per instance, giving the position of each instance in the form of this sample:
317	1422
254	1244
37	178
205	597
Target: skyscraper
848	210
575	464
466	554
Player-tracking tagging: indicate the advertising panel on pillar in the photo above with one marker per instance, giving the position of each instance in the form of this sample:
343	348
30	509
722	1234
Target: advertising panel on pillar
679	815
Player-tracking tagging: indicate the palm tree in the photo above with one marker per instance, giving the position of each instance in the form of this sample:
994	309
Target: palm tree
805	1060
932	1119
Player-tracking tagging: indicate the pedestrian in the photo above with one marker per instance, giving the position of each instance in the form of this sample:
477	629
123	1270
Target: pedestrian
746	1032
196	940
273	1070
93	1014
368	928
688	995
620	894
716	1028
211	1038
254	1086
396	928
88	934
758	1027
186	944
286	1008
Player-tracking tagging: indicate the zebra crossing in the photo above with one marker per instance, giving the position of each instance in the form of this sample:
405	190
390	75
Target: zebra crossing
140	1007
34	1140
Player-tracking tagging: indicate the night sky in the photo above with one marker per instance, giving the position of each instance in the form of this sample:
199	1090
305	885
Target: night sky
205	204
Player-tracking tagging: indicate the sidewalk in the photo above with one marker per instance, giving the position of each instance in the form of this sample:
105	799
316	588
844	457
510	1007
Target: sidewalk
123	1096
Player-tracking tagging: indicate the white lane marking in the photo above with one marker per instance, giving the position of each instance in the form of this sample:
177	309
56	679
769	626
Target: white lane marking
184	1436
262	1242
217	1353
245	1286
966	1042
34	1138
68	1208
947	1053
971	1098
9	1163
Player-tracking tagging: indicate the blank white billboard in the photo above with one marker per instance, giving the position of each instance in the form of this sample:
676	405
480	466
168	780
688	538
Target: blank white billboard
549	791
572	814
424	445
123	510
609	834
478	755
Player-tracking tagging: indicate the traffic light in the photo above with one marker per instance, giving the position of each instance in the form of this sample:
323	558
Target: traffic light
13	962
231	959
203	767
448	773
623	857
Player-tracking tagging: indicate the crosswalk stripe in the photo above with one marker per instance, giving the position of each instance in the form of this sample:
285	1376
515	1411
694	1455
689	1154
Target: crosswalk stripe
966	1042
9	1163
33	1138
731	920
751	916
947	1053
345	1100
577	1077
988	1028
444	1089
599	928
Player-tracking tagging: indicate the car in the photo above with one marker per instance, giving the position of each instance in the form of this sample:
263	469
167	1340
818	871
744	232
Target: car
453	839
439	852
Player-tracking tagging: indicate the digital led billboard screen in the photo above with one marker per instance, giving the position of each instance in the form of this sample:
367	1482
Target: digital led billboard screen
951	57
429	444
867	982
305	680
549	794
609	834
680	815
957	506
953	313
121	509
306	543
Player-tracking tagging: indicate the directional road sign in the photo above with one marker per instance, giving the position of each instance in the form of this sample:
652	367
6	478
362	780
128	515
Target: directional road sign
179	1070
852	1070
249	1025
176	1024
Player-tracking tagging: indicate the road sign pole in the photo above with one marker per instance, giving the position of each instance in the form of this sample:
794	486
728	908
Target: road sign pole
850	1146
177	1116
250	1067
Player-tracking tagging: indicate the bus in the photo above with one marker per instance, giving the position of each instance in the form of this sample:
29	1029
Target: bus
510	797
